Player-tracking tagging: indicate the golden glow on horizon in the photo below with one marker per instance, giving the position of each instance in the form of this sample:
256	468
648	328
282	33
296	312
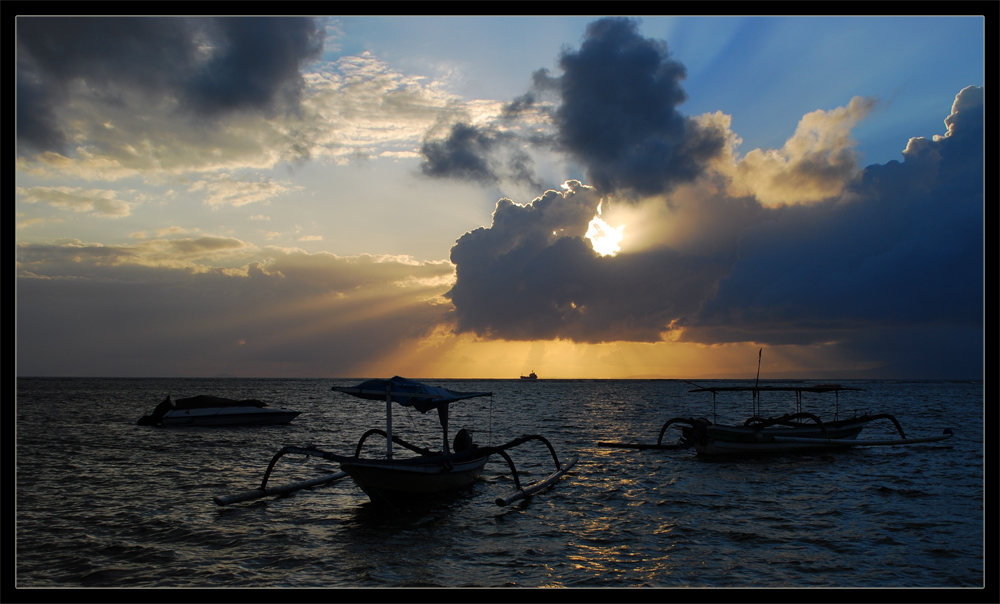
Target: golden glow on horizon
448	356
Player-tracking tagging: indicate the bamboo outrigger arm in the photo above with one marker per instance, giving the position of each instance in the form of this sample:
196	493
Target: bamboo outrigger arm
895	422
538	486
699	425
265	491
522	492
683	420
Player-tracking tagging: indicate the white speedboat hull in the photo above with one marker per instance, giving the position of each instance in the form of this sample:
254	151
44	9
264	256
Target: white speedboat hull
228	416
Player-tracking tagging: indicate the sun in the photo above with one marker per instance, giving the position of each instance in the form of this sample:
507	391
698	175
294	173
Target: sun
605	239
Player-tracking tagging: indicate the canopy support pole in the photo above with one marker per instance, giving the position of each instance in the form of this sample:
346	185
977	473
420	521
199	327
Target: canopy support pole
443	416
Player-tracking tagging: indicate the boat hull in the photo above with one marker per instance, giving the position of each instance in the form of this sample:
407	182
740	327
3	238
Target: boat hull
228	416
386	480
741	440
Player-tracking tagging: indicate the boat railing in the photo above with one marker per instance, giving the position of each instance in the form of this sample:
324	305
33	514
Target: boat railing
790	419
758	390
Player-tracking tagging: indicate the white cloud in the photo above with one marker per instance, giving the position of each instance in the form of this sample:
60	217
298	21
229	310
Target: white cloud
355	107
814	164
101	202
226	189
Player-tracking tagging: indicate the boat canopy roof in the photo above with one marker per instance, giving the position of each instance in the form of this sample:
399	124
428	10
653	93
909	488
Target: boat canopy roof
408	393
204	401
802	388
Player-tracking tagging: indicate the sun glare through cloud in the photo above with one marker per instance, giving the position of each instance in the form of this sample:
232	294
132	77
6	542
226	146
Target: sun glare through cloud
605	239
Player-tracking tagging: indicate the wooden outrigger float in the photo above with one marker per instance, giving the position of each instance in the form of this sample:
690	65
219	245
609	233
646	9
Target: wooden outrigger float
390	480
792	432
266	491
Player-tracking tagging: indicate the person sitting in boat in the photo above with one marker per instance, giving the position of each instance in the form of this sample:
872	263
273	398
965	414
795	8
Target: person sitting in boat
463	441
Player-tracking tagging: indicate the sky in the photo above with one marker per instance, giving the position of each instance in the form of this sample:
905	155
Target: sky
481	197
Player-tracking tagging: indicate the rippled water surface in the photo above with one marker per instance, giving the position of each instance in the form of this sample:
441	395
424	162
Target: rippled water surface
103	502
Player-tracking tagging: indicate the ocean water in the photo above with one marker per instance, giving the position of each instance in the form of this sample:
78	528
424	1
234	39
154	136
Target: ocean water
102	502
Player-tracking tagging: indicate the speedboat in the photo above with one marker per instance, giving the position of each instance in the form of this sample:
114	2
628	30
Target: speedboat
392	479
205	410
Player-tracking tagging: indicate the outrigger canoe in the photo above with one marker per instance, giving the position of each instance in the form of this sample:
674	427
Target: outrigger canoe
792	432
390	479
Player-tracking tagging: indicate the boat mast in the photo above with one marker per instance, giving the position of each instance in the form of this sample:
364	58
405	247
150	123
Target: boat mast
388	419
756	394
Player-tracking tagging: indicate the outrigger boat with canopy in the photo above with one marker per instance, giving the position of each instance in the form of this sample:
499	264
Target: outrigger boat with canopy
391	479
791	432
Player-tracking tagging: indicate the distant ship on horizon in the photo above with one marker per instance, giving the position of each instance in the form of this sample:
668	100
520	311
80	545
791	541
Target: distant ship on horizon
530	376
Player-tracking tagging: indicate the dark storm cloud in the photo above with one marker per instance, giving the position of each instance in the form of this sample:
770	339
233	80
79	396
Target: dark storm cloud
256	62
901	248
900	251
209	65
103	54
527	278
483	155
36	120
542	85
615	113
618	114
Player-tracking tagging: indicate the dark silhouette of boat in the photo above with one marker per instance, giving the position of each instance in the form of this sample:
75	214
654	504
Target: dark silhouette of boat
393	480
205	410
